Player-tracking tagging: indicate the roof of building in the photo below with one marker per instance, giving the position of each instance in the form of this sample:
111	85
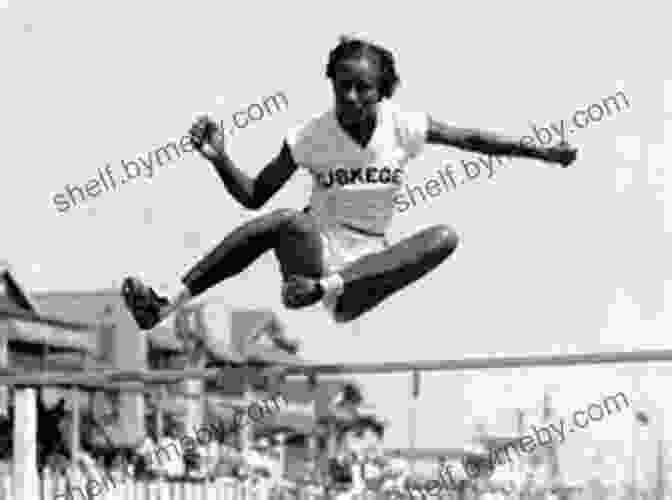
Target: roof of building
26	334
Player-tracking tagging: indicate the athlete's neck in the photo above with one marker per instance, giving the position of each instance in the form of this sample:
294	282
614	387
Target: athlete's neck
360	131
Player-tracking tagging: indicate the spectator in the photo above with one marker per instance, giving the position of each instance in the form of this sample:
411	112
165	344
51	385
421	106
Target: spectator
230	460
168	457
258	461
275	463
209	453
360	440
121	467
394	472
147	466
56	464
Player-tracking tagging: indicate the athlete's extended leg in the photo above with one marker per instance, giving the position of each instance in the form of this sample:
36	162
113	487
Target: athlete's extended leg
292	234
371	279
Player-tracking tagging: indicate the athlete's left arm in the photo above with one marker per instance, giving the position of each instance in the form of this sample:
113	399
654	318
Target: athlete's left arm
492	144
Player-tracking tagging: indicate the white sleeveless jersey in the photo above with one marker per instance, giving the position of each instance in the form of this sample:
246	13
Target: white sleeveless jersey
355	186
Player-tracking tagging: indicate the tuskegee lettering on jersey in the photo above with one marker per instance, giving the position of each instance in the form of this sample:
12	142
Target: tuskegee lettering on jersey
352	184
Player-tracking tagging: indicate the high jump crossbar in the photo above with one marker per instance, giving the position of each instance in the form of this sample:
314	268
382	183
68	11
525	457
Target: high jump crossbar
484	363
92	377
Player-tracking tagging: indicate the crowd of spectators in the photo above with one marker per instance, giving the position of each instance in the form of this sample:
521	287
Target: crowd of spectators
99	459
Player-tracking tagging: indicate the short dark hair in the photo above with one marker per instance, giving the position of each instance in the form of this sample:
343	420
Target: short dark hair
350	47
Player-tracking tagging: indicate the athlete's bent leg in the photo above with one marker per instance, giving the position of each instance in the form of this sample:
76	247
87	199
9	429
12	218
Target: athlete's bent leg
292	234
373	278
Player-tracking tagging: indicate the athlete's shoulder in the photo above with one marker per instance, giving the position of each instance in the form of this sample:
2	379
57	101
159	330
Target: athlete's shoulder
410	126
405	119
391	107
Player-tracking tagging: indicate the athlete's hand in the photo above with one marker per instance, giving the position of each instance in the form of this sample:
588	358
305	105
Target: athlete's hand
209	139
563	154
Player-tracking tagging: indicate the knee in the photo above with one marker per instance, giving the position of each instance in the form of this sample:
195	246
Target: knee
341	317
285	215
295	221
444	239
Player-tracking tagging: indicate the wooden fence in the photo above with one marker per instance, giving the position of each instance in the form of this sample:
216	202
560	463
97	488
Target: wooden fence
220	489
232	489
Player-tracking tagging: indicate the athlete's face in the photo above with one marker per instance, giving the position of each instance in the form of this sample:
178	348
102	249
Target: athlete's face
356	89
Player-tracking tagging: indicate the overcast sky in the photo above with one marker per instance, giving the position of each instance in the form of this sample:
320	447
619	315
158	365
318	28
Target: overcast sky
551	260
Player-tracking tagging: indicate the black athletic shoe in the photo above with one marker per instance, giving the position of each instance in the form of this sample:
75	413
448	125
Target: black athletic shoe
143	303
299	291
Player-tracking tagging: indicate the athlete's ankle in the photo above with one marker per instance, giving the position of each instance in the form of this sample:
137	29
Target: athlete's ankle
181	299
166	311
171	305
332	285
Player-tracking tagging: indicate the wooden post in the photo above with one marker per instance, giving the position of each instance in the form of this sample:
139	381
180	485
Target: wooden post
160	400
246	430
74	429
313	455
281	450
193	390
4	363
332	439
331	450
25	479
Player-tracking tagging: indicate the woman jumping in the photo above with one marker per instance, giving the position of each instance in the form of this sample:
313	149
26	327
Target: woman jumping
336	249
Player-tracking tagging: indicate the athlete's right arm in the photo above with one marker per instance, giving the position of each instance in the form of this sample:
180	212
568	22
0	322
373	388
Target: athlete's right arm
252	193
